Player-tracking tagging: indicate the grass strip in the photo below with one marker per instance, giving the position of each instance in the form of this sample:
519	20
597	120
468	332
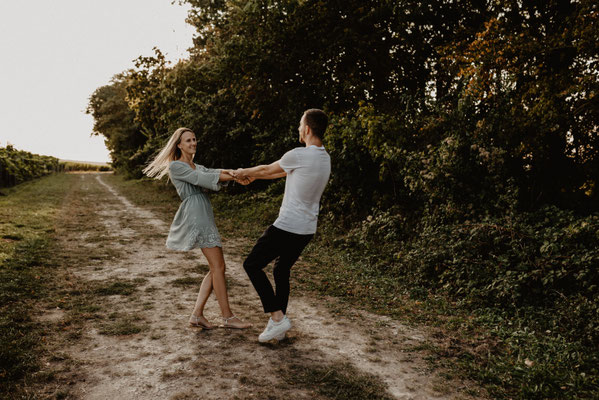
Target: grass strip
337	381
28	213
119	287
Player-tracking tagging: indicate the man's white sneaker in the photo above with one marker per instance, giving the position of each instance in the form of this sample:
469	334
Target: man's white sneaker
275	330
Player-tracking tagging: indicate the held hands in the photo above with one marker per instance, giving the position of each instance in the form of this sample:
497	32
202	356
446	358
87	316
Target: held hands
240	176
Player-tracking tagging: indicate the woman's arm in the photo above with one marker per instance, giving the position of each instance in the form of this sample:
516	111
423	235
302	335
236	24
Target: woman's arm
225	175
208	179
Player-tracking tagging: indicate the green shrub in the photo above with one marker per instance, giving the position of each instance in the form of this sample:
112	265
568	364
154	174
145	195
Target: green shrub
546	259
18	166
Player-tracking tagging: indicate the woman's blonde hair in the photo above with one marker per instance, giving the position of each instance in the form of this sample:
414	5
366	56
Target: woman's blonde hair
159	165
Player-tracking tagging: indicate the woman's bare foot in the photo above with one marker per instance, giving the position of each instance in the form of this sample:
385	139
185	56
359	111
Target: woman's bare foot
201	322
235	323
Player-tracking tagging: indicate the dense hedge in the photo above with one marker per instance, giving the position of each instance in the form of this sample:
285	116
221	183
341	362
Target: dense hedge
545	259
17	166
509	97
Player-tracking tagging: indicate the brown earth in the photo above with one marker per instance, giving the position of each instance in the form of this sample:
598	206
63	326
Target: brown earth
118	328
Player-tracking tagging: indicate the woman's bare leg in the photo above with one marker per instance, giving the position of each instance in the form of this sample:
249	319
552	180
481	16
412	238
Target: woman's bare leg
203	295
216	261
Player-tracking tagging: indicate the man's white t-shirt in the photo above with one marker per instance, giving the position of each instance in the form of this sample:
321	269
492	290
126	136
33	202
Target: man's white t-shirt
308	170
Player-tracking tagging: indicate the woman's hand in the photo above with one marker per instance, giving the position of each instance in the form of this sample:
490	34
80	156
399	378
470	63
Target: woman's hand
241	178
226	175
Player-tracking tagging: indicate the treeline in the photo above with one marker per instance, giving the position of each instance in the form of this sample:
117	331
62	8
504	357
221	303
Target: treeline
70	166
464	137
17	166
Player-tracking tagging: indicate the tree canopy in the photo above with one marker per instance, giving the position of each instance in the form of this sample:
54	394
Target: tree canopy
511	83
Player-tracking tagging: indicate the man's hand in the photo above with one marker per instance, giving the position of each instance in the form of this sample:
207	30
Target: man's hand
241	177
241	173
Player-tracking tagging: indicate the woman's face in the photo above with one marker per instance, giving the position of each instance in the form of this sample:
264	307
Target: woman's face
188	143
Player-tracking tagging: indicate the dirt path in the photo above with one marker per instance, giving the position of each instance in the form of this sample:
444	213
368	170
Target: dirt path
126	336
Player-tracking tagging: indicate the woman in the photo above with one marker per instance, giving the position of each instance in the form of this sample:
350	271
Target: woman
193	225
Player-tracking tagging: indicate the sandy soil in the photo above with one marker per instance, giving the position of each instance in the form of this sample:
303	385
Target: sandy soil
106	238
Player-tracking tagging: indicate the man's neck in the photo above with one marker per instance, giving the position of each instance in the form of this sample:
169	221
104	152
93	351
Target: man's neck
313	142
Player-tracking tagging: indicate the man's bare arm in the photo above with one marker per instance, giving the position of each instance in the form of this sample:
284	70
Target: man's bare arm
270	171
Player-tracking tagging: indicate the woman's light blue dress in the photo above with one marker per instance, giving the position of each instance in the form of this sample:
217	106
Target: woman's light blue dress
193	225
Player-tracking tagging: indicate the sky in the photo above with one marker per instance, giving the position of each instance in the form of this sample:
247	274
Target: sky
54	54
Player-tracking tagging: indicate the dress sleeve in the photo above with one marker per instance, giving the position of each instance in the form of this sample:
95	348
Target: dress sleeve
209	170
203	177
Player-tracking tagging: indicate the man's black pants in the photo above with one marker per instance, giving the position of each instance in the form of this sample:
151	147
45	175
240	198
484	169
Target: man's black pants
284	247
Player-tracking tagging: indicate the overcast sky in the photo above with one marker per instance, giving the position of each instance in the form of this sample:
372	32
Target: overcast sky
54	54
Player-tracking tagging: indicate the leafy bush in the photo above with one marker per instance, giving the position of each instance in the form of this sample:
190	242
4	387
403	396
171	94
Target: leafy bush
545	259
18	166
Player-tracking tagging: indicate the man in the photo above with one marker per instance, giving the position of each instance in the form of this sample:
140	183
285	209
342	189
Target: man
307	170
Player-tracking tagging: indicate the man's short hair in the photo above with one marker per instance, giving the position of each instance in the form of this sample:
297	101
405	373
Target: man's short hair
317	120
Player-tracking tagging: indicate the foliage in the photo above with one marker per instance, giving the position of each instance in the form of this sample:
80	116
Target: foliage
115	121
546	259
17	166
402	82
463	137
533	72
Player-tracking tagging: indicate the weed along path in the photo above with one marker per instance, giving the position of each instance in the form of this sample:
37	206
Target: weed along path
118	323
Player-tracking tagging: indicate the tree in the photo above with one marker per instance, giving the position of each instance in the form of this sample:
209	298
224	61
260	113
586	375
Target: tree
114	120
534	75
